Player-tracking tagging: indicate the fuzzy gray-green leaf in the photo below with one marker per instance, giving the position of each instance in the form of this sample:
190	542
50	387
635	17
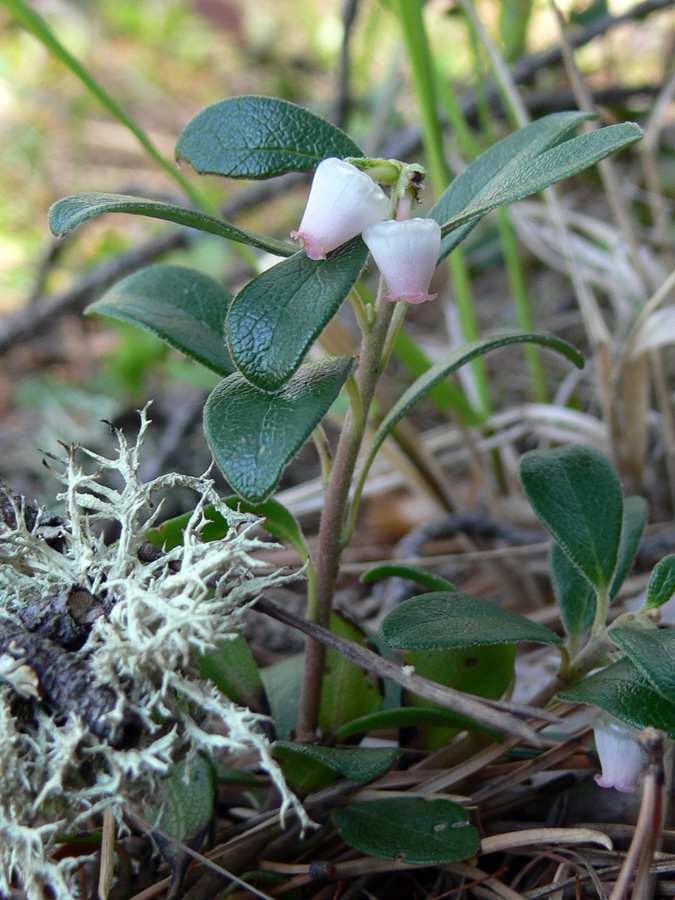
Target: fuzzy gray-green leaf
652	651
635	511
454	619
625	693
576	493
574	592
661	583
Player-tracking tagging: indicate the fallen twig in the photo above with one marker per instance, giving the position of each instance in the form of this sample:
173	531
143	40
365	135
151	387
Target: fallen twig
495	714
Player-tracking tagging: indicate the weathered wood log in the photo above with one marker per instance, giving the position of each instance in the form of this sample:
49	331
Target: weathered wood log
41	670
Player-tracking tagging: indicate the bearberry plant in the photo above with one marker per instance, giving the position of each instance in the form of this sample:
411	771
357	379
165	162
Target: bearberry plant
272	398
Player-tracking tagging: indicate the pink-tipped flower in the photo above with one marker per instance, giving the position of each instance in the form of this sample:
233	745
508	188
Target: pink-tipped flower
406	254
620	753
343	200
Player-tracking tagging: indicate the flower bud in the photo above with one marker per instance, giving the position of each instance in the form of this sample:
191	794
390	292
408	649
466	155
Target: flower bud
406	254
620	753
341	203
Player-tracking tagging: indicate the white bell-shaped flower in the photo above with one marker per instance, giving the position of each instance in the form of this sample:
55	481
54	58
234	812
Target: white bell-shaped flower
343	200
621	755
406	253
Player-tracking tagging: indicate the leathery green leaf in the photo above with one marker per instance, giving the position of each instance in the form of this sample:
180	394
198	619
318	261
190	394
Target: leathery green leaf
635	513
182	306
486	671
412	717
661	583
183	809
361	764
349	692
253	434
498	166
258	137
455	360
72	211
277	520
275	319
232	668
411	829
536	173
574	592
412	573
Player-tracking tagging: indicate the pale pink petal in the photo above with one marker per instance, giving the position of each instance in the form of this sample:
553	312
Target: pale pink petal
342	201
406	253
620	753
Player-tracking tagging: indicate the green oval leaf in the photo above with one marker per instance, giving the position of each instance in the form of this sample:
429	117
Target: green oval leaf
183	809
276	519
360	764
257	137
170	533
72	211
574	592
184	307
414	830
635	511
661	583
253	435
412	573
283	686
452	620
455	360
349	692
234	671
626	694
576	493
486	671
226	774
534	174
496	167
275	319
652	652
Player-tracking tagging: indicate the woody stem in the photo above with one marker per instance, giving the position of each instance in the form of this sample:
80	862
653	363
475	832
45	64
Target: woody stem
332	538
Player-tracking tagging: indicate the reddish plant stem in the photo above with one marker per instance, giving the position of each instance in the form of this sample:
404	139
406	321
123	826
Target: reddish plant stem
331	530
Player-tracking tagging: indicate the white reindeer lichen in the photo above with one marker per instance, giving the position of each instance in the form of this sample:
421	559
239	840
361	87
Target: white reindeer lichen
55	773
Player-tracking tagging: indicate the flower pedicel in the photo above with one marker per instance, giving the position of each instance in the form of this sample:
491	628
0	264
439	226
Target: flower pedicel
343	200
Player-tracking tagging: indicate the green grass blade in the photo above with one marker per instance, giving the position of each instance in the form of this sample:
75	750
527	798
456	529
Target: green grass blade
39	28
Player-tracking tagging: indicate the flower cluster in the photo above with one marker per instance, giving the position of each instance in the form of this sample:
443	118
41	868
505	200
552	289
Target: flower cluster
345	202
